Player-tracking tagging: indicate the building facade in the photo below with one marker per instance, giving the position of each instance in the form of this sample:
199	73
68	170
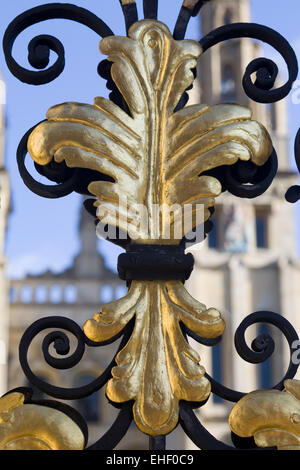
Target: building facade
247	263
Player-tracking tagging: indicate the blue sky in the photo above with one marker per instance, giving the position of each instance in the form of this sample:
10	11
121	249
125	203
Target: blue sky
42	233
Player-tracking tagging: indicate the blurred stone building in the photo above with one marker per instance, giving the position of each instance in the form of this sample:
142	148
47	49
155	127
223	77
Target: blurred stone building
247	263
75	293
4	211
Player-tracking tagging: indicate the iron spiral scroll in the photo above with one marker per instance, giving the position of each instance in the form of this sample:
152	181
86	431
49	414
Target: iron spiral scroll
243	179
261	349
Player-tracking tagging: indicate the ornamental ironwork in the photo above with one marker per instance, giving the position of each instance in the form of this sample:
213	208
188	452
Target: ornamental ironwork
145	146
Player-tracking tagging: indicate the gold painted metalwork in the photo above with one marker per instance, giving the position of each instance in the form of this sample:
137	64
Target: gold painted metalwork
157	367
157	158
36	427
190	4
270	416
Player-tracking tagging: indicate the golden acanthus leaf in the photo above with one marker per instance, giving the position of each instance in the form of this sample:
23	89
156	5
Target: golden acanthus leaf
272	417
156	156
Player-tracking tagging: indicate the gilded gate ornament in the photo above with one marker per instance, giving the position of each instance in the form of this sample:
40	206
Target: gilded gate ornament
270	416
30	426
156	157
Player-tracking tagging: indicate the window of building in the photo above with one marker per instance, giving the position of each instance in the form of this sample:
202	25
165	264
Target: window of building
106	293
26	294
120	291
273	116
228	84
70	294
217	368
41	294
227	17
261	226
13	295
89	406
55	294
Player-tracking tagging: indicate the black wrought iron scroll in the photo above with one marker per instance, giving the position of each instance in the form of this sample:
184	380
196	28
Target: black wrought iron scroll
243	179
262	348
266	70
40	46
293	193
61	344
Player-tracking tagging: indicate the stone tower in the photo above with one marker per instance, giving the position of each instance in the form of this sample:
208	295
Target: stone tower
4	210
248	262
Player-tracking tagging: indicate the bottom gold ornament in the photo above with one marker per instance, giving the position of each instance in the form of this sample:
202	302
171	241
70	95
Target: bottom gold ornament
270	416
157	368
31	426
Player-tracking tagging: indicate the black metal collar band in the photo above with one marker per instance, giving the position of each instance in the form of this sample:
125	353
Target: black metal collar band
154	262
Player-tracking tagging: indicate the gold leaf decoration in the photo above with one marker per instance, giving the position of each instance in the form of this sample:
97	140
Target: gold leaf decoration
270	416
190	4
28	426
157	158
157	367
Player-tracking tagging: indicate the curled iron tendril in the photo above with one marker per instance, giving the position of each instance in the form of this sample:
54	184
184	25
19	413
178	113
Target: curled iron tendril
197	432
262	348
68	177
39	47
203	439
244	179
247	180
61	345
293	193
60	342
266	70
